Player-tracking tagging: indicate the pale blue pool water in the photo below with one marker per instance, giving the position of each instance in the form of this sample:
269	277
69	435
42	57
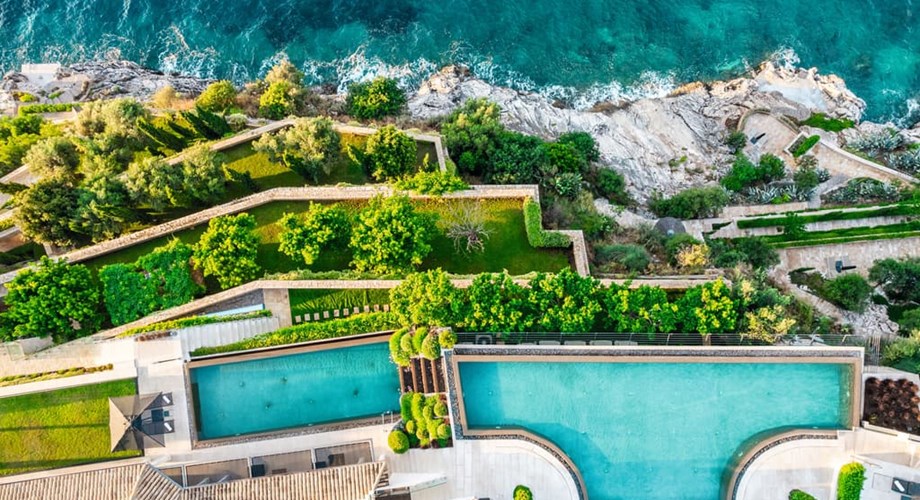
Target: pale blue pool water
295	390
654	430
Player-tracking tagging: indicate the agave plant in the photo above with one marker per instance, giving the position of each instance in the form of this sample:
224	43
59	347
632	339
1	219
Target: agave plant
870	142
466	226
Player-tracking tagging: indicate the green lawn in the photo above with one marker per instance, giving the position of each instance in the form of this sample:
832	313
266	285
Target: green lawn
506	248
58	428
309	301
890	231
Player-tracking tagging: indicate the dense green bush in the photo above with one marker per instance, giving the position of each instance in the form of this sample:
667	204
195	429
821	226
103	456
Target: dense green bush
428	298
128	294
305	332
305	235
516	159
432	183
693	203
806	145
389	236
430	349
610	184
536	235
308	147
583	142
228	249
389	154
566	301
375	99
565	158
567	185
745	174
471	134
45	108
736	141
278	101
217	97
522	492
398	441
632	258
495	303
53	298
176	324
800	495
753	251
806	178
674	244
849	291
900	279
850	481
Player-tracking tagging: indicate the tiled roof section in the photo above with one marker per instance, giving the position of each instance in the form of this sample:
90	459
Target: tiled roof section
114	483
144	482
352	482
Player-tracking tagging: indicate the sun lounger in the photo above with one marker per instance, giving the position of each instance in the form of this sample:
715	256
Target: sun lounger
575	342
601	342
625	342
548	342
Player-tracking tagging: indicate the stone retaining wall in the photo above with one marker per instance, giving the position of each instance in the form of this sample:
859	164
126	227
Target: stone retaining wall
861	254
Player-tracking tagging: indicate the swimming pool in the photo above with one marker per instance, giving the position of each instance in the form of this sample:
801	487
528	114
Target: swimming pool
654	430
294	390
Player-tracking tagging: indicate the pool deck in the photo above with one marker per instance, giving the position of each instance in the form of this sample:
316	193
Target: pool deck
633	354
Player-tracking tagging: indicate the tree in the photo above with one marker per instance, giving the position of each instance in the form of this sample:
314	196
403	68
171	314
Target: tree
767	324
471	134
375	99
645	309
900	279
806	178
771	168
849	291
157	184
390	237
53	298
427	299
307	147
497	304
102	208
128	294
204	180
169	269
389	154
284	71
54	156
708	309
112	126
566	301
517	159
217	97
693	203
279	100
306	235
45	210
228	250
583	142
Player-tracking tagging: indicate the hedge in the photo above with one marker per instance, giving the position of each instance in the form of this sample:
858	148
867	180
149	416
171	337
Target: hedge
35	377
805	145
34	109
896	235
820	120
886	211
522	492
850	482
194	321
398	441
353	325
536	235
800	495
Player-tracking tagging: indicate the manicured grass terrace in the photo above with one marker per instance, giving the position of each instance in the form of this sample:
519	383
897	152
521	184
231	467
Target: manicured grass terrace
58	428
891	231
506	249
309	301
883	211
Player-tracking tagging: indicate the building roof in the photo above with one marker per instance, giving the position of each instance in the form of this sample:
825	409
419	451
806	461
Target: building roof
141	481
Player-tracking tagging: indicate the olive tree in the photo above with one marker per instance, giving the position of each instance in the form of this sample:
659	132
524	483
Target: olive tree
228	249
308	147
390	237
304	236
389	154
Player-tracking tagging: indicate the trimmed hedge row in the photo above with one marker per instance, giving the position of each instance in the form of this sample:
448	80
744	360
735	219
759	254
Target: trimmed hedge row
34	109
353	325
536	235
805	145
850	239
886	211
850	482
194	321
35	377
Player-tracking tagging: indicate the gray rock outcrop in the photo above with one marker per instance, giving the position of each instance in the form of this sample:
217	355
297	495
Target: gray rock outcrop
659	144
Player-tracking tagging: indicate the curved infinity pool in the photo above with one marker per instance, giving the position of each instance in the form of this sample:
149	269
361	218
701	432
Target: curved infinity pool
654	430
294	390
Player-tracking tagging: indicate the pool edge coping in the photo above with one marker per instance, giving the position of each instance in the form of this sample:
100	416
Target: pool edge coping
266	353
844	355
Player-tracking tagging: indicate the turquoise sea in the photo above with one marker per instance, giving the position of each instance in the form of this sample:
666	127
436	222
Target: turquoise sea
581	51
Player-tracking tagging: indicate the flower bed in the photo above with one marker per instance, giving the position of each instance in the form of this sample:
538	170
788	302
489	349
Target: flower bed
424	424
892	404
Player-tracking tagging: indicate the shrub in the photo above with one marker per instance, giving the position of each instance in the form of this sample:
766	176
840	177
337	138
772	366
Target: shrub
427	298
610	184
536	235
237	121
217	97
433	183
278	101
375	99
389	236
440	409
850	481
447	339
565	158
693	203
693	257
228	250
389	154
516	159
805	145
397	353
497	304
307	234
849	291
583	142
567	302
771	168
308	147
430	349
177	324
443	431
633	258
898	278
45	108
806	178
876	142
820	120
678	242
471	133
522	492
800	495
398	441
708	309
736	141
864	190
742	174
567	184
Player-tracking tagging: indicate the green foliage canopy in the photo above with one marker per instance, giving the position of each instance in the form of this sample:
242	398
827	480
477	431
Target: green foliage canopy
228	249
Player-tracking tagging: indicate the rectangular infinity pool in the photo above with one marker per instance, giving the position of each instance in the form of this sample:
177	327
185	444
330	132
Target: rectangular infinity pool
294	390
655	430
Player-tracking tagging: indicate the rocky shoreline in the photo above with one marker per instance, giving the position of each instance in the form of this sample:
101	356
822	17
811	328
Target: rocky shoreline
659	144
